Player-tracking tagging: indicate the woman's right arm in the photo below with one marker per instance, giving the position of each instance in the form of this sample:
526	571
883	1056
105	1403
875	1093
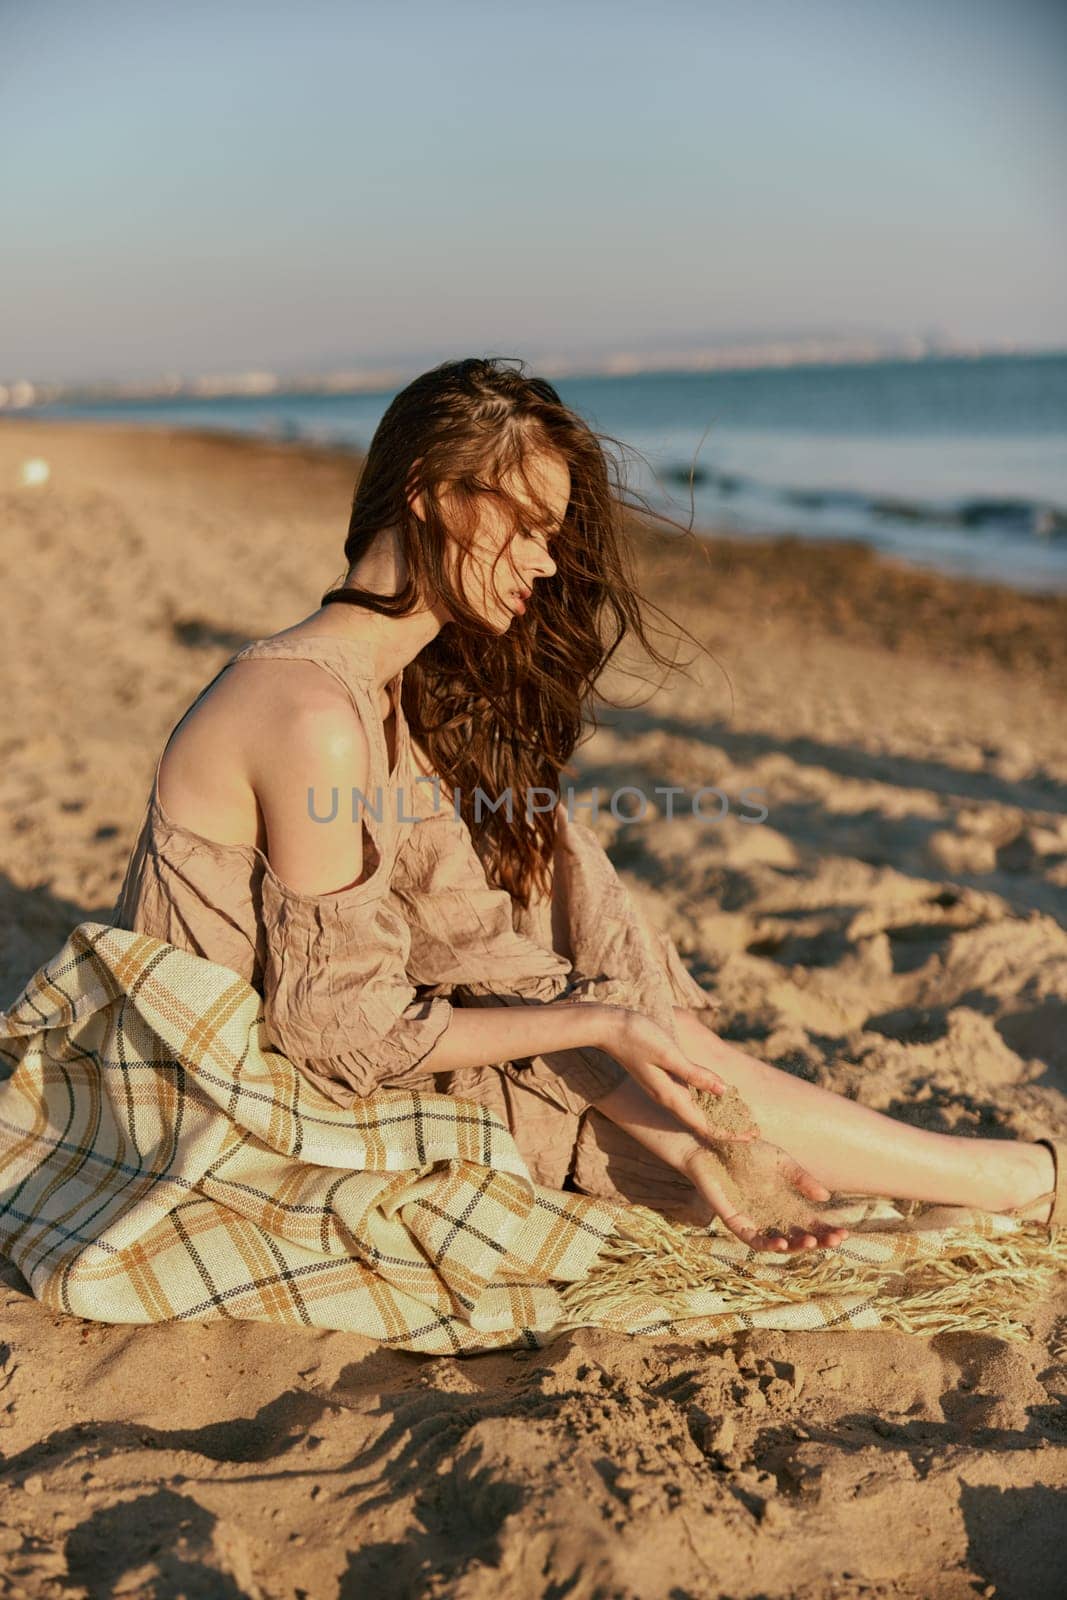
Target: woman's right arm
647	1088
483	1036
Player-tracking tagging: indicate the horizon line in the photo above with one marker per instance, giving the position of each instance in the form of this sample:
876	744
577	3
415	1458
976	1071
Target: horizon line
771	354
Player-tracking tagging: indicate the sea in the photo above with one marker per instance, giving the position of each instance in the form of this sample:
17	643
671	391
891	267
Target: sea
954	463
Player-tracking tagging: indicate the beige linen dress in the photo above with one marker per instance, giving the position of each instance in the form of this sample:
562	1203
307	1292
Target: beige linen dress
358	985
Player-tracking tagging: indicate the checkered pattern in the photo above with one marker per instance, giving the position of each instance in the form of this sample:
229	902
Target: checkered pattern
159	1161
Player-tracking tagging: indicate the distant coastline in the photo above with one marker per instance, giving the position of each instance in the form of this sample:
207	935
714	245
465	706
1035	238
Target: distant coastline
24	393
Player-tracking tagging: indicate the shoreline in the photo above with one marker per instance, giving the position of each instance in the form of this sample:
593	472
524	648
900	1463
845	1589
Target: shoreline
844	584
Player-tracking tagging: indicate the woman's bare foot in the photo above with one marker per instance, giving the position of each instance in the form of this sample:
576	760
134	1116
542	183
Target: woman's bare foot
1036	1179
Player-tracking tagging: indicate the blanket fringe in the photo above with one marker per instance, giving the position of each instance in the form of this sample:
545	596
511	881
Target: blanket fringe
967	1283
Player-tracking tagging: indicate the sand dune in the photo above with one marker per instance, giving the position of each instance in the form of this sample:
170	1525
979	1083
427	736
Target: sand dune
894	930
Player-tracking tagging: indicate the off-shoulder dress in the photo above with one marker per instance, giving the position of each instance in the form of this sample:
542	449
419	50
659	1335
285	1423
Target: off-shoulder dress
358	985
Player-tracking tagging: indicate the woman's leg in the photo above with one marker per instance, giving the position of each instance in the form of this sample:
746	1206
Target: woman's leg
854	1149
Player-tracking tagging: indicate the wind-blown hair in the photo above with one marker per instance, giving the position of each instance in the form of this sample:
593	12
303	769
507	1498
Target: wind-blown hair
499	712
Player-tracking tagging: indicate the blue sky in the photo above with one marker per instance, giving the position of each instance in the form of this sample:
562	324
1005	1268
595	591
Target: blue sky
209	187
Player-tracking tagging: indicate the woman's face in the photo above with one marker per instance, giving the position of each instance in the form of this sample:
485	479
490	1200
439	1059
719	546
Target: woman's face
500	596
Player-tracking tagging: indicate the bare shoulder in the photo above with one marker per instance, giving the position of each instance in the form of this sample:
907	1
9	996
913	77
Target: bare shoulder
238	766
303	781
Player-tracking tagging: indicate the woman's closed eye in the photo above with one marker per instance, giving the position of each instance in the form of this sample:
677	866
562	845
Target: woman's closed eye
541	536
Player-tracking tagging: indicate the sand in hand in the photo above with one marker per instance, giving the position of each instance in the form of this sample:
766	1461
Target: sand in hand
751	1174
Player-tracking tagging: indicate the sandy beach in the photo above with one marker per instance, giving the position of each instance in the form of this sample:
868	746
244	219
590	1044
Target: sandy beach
896	929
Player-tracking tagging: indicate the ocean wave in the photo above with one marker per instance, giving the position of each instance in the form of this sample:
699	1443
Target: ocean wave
1032	518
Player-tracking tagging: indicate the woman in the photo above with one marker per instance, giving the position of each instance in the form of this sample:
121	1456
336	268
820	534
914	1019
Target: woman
487	587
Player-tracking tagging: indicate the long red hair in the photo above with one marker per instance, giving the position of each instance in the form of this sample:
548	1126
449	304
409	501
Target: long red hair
500	712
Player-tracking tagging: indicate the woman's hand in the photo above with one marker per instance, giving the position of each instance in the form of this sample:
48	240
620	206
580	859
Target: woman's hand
711	1185
777	1167
654	1106
662	1069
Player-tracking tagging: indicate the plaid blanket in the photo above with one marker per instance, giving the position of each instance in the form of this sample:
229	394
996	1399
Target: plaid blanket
159	1161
